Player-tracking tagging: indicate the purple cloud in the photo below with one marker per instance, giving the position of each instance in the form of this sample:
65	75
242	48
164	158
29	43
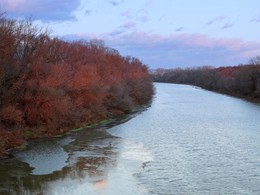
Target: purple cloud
115	3
144	19
45	10
217	19
88	12
149	3
127	14
179	29
256	19
227	25
179	50
123	28
128	25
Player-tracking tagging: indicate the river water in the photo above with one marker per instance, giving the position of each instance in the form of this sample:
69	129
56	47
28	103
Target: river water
190	141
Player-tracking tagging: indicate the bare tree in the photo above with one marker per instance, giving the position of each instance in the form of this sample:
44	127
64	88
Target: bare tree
255	60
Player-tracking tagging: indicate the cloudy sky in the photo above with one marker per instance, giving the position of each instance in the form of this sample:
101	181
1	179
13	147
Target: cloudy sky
161	33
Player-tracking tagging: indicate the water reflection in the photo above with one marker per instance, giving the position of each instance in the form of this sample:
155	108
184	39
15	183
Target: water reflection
201	143
190	141
82	158
38	156
100	184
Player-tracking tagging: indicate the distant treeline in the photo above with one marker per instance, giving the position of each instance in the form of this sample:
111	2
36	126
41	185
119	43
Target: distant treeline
241	81
48	85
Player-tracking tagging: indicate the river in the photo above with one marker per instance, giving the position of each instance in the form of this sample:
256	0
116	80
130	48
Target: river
189	141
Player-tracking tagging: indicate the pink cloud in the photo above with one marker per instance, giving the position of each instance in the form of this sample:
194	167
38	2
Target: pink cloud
180	49
201	40
185	40
46	10
13	5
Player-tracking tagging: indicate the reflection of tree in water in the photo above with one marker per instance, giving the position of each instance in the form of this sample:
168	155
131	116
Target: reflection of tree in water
91	155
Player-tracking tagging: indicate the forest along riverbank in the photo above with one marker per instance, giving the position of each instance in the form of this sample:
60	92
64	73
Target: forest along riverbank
50	86
190	141
240	81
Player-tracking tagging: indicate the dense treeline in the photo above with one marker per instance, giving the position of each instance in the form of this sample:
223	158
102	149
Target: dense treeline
48	86
241	81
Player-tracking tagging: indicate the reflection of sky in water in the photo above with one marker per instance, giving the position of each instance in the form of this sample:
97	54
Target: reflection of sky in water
189	141
119	179
135	151
85	163
44	159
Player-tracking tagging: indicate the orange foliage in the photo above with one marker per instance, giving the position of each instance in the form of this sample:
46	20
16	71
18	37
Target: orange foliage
226	71
9	139
48	85
10	115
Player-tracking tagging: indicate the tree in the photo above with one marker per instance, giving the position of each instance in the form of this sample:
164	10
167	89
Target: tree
48	85
255	60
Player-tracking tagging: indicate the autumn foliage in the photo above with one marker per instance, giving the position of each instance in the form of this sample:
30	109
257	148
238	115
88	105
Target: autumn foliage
48	85
241	81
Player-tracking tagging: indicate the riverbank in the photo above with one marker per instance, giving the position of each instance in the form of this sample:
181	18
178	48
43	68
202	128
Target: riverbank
239	81
247	98
26	136
190	141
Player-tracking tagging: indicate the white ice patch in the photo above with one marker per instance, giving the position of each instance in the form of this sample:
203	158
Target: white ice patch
136	151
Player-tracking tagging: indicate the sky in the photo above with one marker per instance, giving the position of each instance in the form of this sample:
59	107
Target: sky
161	33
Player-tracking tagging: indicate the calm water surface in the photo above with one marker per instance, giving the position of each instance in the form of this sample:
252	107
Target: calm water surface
190	141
